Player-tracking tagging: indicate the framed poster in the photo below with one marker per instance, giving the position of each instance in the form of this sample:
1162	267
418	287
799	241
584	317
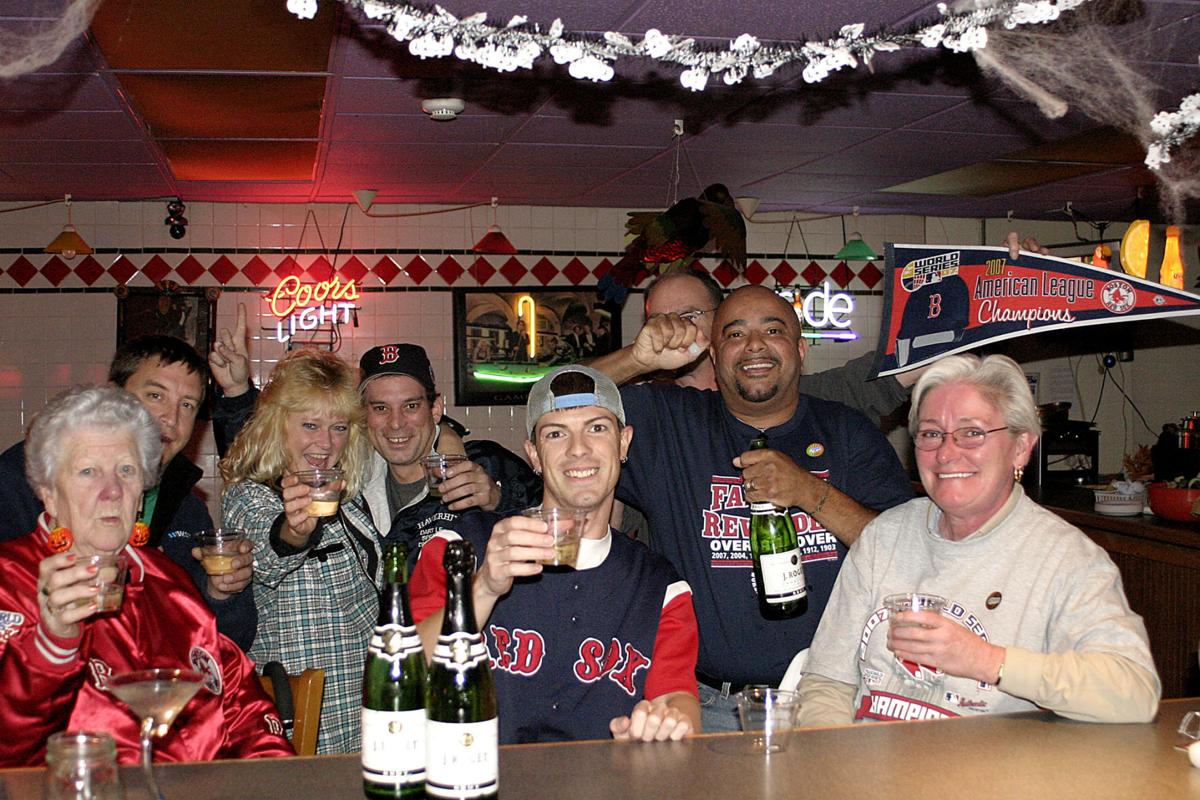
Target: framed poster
505	341
183	312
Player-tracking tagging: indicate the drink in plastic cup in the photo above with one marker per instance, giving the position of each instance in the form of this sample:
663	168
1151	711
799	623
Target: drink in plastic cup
218	547
768	716
566	526
326	490
435	469
913	601
111	573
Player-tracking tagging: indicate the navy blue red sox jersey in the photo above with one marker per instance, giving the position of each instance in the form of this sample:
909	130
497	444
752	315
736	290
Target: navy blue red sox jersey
572	649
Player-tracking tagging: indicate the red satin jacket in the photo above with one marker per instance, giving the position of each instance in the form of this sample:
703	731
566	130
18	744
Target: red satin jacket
48	684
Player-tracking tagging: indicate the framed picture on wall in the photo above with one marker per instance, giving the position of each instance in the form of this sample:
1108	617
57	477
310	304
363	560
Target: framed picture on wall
505	341
187	313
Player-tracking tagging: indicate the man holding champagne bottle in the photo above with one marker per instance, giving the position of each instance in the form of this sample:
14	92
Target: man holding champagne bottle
692	474
606	648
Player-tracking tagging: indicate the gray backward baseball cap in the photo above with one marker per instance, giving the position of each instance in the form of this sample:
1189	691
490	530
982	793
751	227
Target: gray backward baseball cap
542	398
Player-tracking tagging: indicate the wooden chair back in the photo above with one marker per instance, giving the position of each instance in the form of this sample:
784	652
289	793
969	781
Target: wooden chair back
307	690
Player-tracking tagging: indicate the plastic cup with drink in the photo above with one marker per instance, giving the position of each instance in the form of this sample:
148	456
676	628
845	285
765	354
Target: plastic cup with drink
218	548
436	466
566	526
914	601
325	490
768	716
111	572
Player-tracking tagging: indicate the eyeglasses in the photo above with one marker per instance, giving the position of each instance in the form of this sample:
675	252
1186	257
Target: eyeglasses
967	438
692	316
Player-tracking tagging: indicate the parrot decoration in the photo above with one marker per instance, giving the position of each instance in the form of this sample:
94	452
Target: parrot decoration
666	241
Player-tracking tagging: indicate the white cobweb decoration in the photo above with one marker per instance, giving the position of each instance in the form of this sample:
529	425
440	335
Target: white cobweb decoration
35	44
1078	62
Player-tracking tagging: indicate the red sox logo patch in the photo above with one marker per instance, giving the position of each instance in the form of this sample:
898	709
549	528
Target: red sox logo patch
388	354
204	663
100	673
1118	296
619	662
519	652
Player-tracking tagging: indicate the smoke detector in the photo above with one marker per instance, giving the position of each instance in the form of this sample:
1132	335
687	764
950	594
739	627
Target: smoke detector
443	109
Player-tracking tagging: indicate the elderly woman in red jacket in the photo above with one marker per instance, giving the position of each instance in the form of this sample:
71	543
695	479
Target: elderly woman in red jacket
91	455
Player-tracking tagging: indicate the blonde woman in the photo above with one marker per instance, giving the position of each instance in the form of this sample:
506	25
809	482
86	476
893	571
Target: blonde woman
315	577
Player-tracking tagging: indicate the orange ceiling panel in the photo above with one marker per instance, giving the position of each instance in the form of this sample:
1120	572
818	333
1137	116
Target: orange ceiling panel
228	35
224	106
193	160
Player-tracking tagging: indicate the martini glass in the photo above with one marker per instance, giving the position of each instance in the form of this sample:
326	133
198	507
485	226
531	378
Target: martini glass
156	696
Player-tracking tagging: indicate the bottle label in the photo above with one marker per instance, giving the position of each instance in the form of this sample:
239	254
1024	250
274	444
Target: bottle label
462	759
394	642
764	508
783	576
460	651
393	747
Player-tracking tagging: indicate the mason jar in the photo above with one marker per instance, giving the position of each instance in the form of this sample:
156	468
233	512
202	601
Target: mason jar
82	765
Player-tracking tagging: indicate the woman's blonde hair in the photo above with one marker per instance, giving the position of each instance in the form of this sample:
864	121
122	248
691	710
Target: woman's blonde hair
304	380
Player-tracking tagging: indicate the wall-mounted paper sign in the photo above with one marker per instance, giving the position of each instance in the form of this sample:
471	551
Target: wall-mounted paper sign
942	299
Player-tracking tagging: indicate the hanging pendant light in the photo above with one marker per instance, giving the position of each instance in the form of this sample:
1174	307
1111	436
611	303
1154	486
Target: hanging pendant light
69	243
854	249
494	242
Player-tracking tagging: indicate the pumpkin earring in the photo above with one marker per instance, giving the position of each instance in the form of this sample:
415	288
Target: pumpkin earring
140	535
60	540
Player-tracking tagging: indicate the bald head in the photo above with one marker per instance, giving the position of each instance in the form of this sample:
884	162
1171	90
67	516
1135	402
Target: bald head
759	353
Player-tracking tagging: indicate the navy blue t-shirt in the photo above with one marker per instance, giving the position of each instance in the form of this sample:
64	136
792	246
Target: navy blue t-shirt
681	475
572	649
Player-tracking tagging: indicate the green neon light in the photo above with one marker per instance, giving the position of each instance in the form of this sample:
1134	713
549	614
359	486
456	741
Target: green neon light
506	377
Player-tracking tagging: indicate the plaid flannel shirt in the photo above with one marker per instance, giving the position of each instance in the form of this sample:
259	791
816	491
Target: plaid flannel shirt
316	608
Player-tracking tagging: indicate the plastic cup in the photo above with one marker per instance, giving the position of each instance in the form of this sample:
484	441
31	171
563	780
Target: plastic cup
435	469
218	548
325	492
111	573
913	601
566	526
768	716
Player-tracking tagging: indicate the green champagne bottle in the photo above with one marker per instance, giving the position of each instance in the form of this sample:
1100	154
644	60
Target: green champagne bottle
393	692
462	761
778	567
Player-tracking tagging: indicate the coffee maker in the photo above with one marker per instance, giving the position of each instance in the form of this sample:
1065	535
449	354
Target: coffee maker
1068	452
1177	452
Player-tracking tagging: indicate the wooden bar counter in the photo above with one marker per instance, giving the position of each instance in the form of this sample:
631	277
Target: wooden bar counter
1032	755
1160	566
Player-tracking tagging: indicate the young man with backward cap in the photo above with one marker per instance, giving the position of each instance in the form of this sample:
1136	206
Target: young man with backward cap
606	648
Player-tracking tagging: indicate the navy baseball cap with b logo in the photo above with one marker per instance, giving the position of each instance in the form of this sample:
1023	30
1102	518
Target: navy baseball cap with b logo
397	359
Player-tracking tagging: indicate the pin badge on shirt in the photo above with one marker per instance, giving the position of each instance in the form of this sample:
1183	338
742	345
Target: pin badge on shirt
993	601
814	450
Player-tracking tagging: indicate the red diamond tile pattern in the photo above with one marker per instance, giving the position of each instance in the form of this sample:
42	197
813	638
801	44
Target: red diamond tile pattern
450	270
575	271
842	275
482	270
386	270
513	271
418	270
191	270
122	270
256	270
55	271
352	269
725	273
784	273
870	275
89	270
320	269
544	271
156	269
226	269
813	274
755	273
289	266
